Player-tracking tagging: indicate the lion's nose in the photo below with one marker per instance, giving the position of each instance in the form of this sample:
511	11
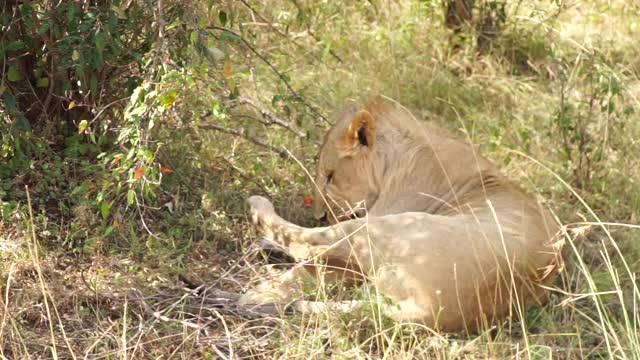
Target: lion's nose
320	213
322	216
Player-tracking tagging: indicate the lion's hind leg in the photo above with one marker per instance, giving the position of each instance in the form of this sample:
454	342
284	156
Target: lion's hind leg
278	290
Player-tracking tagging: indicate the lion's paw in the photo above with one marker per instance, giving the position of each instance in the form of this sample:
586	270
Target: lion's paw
260	202
263	295
261	211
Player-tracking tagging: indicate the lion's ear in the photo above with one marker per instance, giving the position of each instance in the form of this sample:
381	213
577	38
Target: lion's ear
362	130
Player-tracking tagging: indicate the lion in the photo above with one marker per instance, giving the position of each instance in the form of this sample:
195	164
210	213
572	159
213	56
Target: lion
448	240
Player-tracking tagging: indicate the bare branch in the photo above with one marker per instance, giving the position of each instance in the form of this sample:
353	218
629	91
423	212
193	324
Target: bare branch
271	118
161	25
212	126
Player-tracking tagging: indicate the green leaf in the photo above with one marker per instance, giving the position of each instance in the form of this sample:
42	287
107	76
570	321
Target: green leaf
94	85
174	24
82	188
100	43
193	37
202	23
105	209
13	74
138	93
121	14
300	16
108	231
610	107
231	37
27	17
10	102
26	10
169	98
223	17
629	110
149	155
44	28
71	13
131	197
14	45
42	82
82	126
327	50
23	123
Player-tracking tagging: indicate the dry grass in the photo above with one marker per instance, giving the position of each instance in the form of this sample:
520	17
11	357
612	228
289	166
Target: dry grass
128	301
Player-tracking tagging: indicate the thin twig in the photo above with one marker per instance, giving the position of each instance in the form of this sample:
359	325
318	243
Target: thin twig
106	107
246	176
212	126
271	118
6	299
161	24
273	68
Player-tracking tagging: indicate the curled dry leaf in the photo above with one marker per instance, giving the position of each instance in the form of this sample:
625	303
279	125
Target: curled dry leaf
138	173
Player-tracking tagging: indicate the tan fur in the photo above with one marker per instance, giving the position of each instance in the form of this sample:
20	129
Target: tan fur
447	238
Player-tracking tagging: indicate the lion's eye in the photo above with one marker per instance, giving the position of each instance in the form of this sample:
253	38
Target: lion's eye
329	177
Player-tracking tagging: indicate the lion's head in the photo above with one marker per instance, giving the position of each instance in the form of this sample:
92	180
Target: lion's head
347	173
379	158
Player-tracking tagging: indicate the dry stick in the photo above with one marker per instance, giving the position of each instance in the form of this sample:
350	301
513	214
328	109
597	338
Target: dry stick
227	333
139	299
211	126
161	24
271	118
124	324
97	341
106	107
51	73
273	68
246	176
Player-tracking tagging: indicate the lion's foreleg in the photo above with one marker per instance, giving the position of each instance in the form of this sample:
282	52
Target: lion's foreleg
300	242
341	249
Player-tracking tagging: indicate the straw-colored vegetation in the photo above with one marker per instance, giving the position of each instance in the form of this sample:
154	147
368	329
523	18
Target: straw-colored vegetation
131	133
